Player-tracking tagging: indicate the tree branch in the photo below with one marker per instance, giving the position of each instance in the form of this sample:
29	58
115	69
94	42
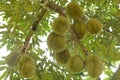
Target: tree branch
34	28
52	6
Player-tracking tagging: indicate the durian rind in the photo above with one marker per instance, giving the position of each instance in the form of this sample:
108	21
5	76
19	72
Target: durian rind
62	57
26	66
74	11
55	42
60	25
94	26
94	65
12	59
79	28
75	64
27	70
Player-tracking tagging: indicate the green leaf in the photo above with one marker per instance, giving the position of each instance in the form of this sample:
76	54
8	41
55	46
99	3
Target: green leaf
4	75
2	62
3	67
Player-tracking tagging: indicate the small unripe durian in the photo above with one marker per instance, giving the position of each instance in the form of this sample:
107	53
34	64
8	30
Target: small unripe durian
94	65
12	58
60	25
79	28
74	11
75	63
26	66
116	75
56	42
94	26
27	70
62	57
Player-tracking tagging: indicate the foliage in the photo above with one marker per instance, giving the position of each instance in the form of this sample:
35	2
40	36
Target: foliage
29	21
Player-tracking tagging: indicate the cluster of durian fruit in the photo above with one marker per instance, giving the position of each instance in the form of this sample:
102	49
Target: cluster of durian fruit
56	41
24	64
79	25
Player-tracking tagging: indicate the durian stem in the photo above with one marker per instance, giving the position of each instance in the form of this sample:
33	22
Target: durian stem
34	28
77	41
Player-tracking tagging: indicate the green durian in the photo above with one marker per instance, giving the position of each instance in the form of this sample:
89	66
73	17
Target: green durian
60	25
55	42
79	28
94	65
94	26
62	57
12	58
74	11
75	63
26	66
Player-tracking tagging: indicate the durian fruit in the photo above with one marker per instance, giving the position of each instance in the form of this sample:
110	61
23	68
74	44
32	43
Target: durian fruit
60	25
79	28
26	66
94	65
116	75
56	42
62	57
94	26
12	58
74	11
75	63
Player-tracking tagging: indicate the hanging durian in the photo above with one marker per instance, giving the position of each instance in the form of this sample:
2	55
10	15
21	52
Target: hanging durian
62	57
94	26
60	25
74	11
12	58
94	65
75	63
26	66
79	28
56	42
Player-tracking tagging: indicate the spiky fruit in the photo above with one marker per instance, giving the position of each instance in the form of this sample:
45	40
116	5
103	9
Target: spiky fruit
60	25
94	26
74	11
75	63
94	65
12	58
116	75
56	42
62	57
79	28
26	66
